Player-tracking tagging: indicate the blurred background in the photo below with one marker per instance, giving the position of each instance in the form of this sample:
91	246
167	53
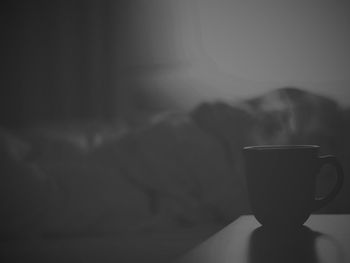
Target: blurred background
69	60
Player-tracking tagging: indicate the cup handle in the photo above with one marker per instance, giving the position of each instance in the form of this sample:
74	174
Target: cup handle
332	160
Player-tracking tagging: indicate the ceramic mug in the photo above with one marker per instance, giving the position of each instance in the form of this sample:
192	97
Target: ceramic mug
281	182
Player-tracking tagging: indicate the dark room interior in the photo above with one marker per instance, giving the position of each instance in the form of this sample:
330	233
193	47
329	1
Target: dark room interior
122	123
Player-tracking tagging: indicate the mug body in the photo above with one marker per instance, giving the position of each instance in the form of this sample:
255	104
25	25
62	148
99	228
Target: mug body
281	182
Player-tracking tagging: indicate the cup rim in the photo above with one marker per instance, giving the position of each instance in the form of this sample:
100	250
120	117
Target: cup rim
281	147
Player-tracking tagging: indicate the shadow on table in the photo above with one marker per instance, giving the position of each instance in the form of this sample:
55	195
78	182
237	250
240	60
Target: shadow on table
300	245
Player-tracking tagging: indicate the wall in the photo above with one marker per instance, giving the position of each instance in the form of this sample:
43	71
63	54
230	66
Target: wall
245	47
118	59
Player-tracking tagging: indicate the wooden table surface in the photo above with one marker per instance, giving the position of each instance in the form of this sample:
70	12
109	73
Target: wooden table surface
323	238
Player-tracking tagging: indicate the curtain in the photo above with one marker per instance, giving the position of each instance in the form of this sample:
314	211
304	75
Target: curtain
62	60
67	60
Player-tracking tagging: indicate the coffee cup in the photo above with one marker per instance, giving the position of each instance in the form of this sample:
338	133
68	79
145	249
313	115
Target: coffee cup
281	182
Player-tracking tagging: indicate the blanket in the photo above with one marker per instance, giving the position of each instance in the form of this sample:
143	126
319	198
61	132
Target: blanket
180	170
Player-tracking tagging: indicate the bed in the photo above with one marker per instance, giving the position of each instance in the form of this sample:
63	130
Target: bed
110	192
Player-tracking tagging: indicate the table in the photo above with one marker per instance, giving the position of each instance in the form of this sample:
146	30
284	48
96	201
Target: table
323	238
